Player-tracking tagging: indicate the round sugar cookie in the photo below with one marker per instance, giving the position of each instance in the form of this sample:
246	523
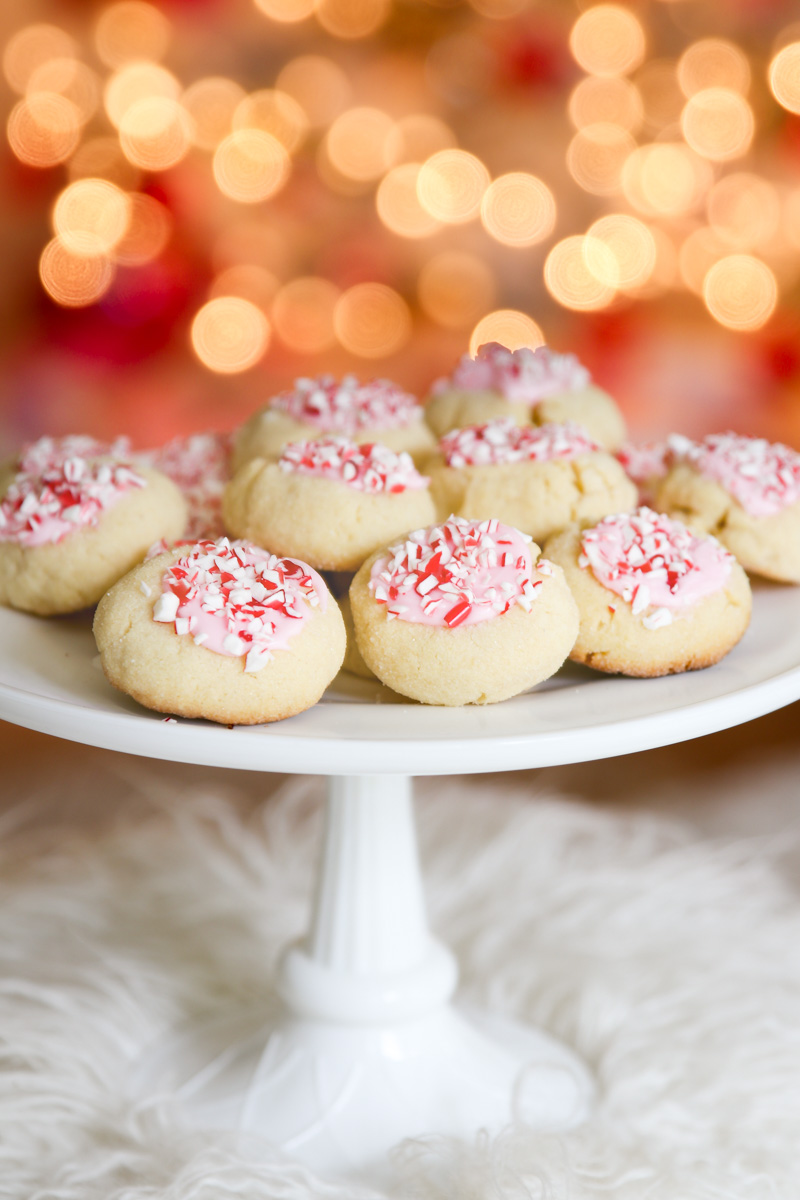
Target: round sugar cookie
330	502
745	491
73	526
646	463
528	387
376	411
200	466
654	598
462	613
537	478
221	630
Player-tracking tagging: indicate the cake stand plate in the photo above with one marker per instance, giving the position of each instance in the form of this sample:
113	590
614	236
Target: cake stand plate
365	1047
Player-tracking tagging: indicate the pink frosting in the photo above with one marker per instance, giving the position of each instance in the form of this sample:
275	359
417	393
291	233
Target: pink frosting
457	573
347	406
645	461
501	441
238	600
654	563
525	375
200	466
58	492
366	467
763	477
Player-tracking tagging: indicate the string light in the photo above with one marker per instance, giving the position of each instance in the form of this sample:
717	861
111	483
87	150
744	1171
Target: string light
784	77
508	326
569	279
44	129
608	39
665	179
451	185
372	320
135	82
398	204
229	335
357	143
74	280
91	216
250	166
740	292
718	123
155	133
632	248
518	210
454	288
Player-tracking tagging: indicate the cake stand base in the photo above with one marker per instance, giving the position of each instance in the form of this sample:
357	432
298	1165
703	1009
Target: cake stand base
339	1098
366	1048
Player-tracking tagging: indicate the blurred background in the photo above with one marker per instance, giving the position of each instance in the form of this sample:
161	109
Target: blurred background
203	199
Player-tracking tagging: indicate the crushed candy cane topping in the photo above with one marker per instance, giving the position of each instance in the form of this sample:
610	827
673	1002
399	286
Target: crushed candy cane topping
59	492
654	563
200	466
644	461
347	406
501	441
457	573
763	477
47	452
366	467
238	600
526	375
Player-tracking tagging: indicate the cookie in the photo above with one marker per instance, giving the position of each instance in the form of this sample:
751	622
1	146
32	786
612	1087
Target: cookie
526	386
646	463
221	630
200	465
330	502
377	411
744	490
654	598
538	478
70	527
462	613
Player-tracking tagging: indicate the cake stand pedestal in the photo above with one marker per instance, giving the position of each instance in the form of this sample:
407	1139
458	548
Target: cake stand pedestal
367	1048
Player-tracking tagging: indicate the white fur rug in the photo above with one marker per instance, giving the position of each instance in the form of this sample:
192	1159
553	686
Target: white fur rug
671	961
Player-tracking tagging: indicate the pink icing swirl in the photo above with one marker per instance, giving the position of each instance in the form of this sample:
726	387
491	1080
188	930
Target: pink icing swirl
200	466
654	563
457	573
237	600
59	492
365	467
525	375
501	441
763	477
347	406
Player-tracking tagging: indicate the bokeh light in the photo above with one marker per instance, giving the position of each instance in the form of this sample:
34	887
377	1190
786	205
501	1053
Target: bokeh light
665	179
608	39
44	129
608	100
148	232
372	320
103	158
230	335
91	216
250	165
31	48
74	280
509	327
155	133
569	279
744	210
713	62
597	155
251	282
286	12
518	209
357	143
718	123
319	85
784	77
398	203
740	292
352	18
131	30
451	185
632	248
455	287
273	112
136	82
302	314
418	136
211	103
70	78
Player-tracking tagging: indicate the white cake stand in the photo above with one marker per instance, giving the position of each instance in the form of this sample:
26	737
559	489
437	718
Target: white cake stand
367	1048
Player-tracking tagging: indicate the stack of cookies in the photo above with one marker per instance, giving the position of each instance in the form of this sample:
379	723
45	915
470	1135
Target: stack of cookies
345	524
